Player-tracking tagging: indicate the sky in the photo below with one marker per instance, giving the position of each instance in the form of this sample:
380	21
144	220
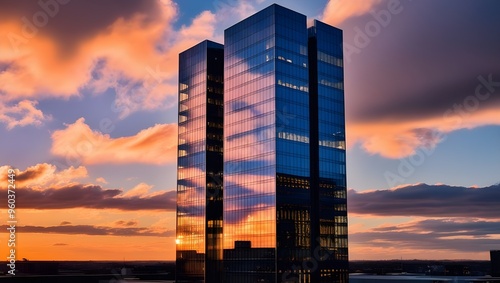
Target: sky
88	119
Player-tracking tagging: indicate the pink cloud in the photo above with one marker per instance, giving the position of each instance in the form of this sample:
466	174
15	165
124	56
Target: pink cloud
337	11
22	114
154	145
434	238
140	190
424	200
101	180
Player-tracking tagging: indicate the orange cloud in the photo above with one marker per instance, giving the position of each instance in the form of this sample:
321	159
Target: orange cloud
43	175
141	190
68	54
398	139
124	223
49	60
151	77
337	11
154	145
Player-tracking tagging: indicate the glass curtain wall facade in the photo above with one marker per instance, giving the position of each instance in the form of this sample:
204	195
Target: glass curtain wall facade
285	217
200	164
250	150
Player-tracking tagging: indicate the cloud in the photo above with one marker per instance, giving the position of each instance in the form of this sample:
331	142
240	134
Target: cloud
68	45
400	127
229	13
55	51
428	201
141	189
22	114
126	223
94	230
470	236
395	141
60	244
93	196
43	174
400	138
448	227
337	11
155	83
154	145
435	88
101	180
60	190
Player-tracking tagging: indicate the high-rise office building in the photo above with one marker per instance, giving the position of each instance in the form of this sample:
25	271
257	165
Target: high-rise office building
199	162
284	196
284	150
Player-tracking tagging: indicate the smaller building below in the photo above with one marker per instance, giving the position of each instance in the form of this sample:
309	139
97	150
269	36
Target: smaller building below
495	263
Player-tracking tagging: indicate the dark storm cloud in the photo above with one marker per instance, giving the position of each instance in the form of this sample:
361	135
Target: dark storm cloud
426	59
73	21
91	196
91	230
428	200
437	234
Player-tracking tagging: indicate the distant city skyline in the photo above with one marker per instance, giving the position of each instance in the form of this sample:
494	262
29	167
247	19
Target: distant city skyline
88	116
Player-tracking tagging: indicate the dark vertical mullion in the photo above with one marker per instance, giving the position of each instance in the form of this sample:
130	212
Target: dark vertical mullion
314	150
214	114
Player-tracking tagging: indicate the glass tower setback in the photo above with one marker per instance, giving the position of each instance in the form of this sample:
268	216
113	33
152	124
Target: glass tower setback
199	173
327	153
